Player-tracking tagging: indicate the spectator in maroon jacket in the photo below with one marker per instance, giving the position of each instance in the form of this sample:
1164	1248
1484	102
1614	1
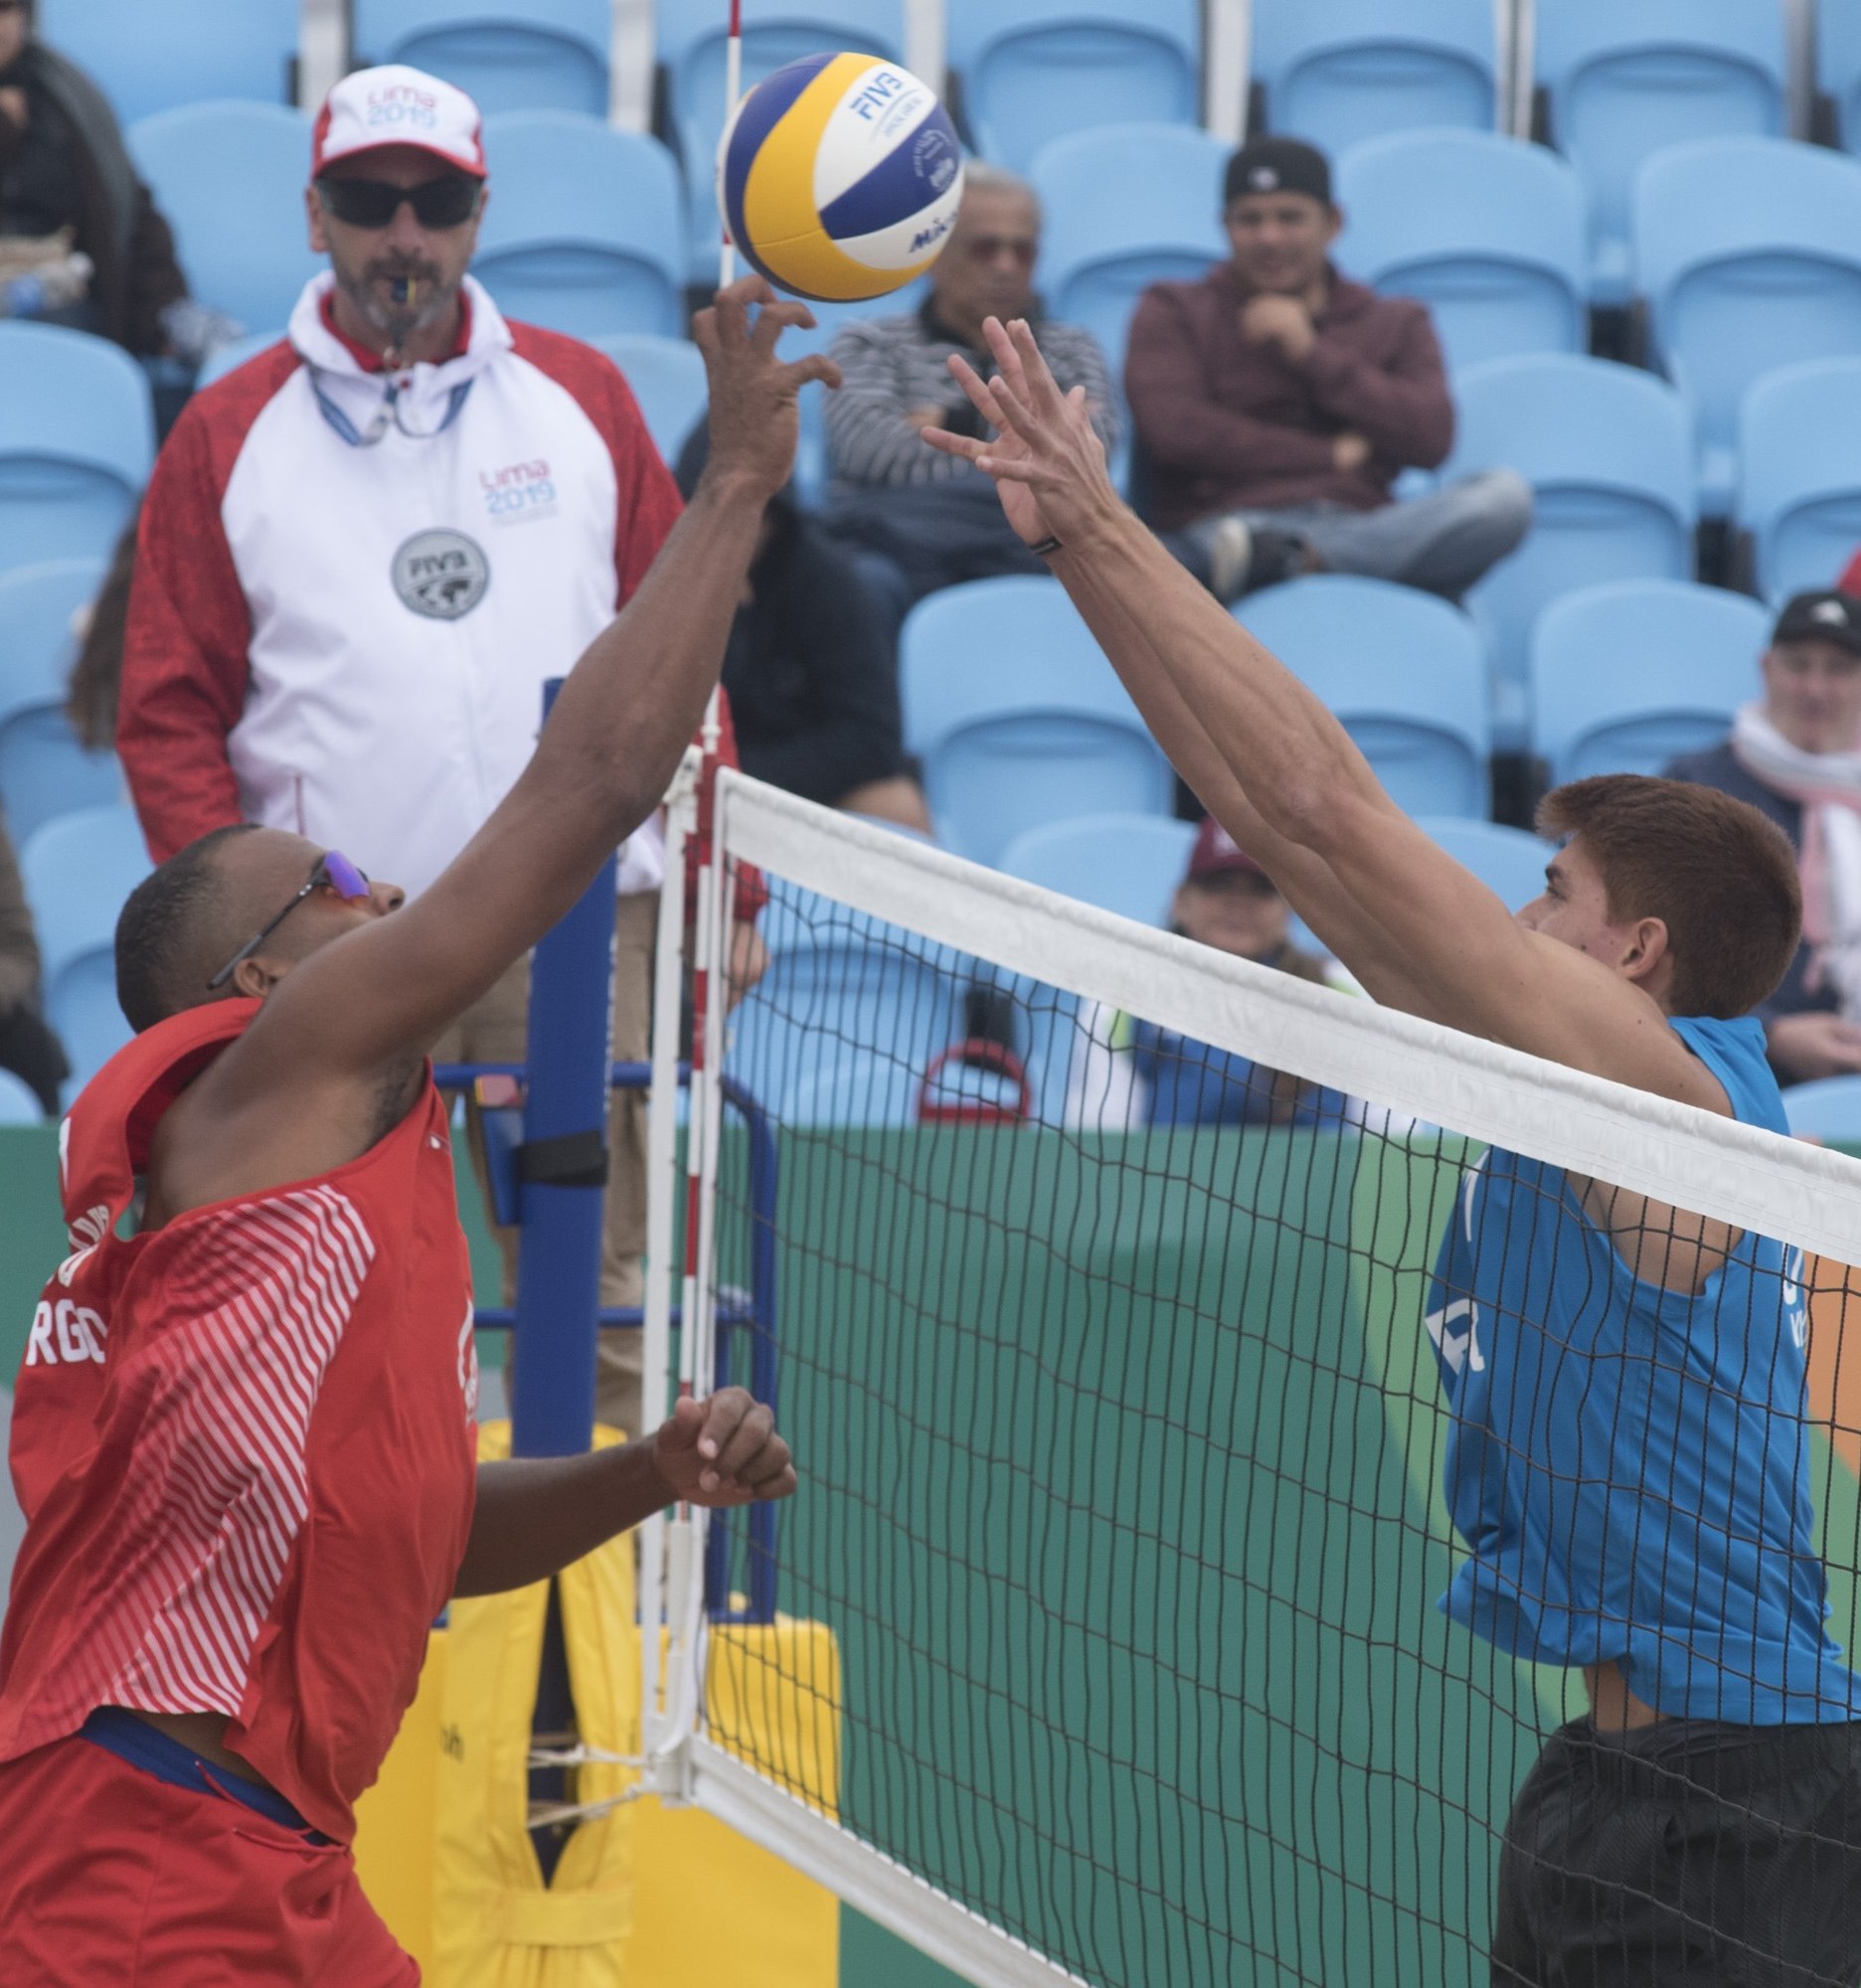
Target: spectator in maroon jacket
1277	393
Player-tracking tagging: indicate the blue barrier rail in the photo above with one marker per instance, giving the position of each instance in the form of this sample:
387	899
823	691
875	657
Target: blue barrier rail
756	1320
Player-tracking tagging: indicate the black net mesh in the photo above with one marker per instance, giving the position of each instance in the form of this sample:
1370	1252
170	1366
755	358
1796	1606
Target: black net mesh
1131	1386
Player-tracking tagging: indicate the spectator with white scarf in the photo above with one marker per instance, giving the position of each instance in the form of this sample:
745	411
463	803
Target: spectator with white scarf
1796	754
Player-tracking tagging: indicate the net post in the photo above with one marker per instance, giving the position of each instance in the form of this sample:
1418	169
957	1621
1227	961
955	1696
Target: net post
661	1209
559	1241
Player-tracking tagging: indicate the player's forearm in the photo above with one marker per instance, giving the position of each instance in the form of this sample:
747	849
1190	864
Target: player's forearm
536	1516
1237	716
632	703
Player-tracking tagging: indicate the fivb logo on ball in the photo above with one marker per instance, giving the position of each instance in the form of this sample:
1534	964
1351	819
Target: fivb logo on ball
839	177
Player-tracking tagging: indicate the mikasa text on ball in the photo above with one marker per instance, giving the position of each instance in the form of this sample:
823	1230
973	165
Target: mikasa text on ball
839	176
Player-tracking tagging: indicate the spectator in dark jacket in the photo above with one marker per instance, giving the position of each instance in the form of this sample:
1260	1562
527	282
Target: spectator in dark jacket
811	671
1795	755
1277	393
81	240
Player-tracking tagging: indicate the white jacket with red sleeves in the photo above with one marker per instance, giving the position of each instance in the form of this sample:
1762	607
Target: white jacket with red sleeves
350	590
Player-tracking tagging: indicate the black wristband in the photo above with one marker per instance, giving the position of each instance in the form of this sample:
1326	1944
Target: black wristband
1046	545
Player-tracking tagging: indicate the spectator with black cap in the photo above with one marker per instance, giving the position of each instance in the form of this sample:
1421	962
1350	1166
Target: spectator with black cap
1278	394
1795	755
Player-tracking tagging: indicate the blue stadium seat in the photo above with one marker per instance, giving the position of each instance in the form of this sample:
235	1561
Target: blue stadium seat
544	55
667	376
1609	453
1019	718
1033	70
1748	253
38	610
582	232
78	868
1621	82
1126	207
841	989
44	770
146	59
691	43
1828	1109
849	1089
18	1104
229	357
1838	69
1799	474
230	178
77	443
84	1013
1406	674
1129	864
1487	232
1508	861
1339	71
1626	675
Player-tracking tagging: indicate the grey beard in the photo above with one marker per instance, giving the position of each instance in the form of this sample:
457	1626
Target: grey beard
398	322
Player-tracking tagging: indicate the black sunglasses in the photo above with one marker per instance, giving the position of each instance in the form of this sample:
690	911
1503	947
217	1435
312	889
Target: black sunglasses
442	203
334	869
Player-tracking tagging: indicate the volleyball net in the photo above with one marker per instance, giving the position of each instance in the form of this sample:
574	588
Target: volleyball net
1127	1306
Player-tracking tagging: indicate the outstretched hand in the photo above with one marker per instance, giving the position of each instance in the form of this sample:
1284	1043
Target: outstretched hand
753	423
1048	462
723	1451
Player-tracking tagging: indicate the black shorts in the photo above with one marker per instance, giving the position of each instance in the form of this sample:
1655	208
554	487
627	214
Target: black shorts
1685	1854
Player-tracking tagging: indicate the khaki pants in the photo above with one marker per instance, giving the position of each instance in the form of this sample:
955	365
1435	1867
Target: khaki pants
493	1029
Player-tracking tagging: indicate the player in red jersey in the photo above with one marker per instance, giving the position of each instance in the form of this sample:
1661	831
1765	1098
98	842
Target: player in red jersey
242	1433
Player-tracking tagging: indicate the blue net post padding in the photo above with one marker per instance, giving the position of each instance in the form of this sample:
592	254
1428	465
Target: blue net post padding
565	1117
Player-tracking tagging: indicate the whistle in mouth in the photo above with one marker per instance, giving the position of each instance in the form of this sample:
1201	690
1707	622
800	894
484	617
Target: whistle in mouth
406	290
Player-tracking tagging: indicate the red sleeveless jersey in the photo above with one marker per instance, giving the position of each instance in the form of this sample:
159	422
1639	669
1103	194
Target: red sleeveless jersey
243	1443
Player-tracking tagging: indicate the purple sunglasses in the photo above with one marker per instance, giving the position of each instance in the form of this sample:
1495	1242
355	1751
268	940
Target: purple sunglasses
334	870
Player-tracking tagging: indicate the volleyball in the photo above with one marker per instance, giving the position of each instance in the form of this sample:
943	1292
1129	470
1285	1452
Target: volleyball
838	177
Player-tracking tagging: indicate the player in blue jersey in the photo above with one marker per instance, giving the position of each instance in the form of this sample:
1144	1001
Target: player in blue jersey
1629	1465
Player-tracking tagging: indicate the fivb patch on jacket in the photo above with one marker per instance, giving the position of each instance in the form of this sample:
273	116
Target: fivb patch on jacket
441	573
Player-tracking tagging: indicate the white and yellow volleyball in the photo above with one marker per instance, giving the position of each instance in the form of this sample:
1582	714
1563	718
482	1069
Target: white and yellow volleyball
839	176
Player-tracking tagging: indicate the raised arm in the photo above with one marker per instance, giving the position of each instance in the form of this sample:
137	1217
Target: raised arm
623	717
1281	774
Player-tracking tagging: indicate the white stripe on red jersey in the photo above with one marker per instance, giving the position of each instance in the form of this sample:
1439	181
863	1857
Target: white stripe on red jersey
217	1489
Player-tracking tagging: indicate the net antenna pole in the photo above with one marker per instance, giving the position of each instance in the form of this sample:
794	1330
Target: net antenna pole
684	1531
733	91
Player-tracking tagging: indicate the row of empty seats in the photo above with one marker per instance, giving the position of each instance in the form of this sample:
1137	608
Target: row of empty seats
1607	449
1613	83
1016	715
1747	251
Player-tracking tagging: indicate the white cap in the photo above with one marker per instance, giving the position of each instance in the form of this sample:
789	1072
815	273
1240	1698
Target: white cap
398	105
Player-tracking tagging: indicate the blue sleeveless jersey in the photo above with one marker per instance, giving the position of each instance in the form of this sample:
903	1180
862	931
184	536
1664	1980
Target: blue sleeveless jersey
1630	1466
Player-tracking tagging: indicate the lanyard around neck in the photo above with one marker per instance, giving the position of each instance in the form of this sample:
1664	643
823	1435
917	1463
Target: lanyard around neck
387	417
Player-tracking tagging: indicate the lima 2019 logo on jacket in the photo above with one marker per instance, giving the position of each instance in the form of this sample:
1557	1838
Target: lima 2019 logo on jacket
442	575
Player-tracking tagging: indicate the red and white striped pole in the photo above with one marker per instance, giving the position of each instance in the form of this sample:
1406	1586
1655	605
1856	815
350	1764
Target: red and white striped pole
706	885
